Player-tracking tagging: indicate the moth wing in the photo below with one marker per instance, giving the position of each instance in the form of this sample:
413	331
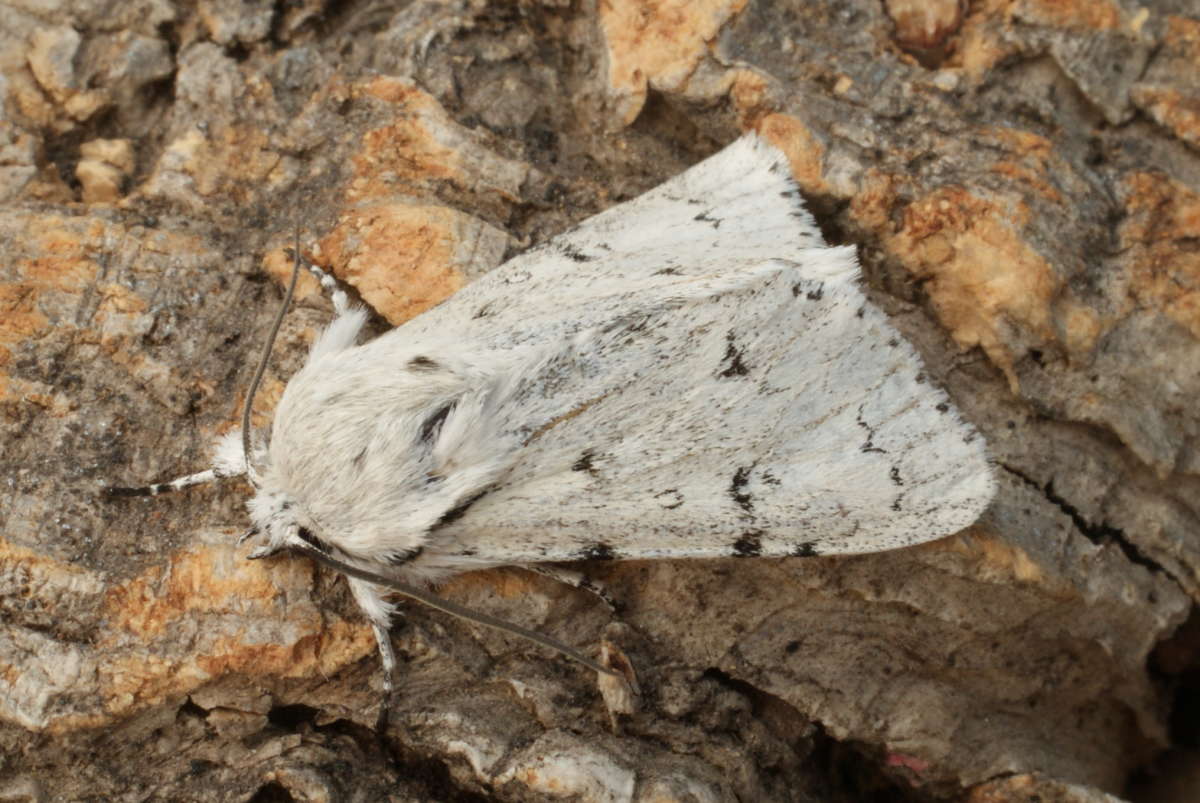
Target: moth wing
737	208
762	412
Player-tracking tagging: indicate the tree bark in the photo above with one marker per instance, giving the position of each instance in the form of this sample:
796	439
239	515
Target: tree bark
1022	181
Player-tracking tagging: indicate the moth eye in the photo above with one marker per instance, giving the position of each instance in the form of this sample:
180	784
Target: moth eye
433	424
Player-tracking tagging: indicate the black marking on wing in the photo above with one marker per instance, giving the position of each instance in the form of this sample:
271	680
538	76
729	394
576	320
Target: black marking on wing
704	218
806	550
483	311
458	511
860	312
749	545
572	252
675	494
598	551
896	503
407	556
895	475
919	378
942	407
770	479
893	342
811	293
360	458
733	355
869	446
737	489
433	424
670	271
585	462
422	363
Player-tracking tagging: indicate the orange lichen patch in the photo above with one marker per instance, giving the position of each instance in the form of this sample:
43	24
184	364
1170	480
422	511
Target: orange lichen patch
405	152
1164	270
278	265
924	24
995	560
207	578
657	44
749	91
871	207
504	583
231	641
1171	109
1183	37
65	262
979	47
1081	326
19	316
325	650
982	275
402	258
240	159
1096	15
1032	159
1165	94
422	146
118	314
804	151
235	163
235	615
262	412
119	300
63	266
42	570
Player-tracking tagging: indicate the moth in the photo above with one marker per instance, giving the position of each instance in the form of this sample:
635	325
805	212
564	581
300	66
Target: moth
691	374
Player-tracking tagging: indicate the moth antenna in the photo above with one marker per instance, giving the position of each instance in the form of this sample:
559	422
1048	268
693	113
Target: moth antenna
446	606
266	355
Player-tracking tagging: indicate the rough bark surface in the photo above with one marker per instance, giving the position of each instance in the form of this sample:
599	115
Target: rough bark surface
1022	178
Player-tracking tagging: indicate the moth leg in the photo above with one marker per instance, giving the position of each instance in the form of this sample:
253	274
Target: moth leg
341	301
177	484
573	578
379	612
228	461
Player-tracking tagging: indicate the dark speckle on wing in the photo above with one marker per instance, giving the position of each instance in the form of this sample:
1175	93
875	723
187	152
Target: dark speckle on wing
598	551
748	546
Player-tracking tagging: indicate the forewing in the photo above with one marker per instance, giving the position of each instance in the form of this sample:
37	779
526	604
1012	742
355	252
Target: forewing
725	214
762	412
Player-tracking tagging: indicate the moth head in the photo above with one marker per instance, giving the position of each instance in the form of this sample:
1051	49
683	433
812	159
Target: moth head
274	521
272	513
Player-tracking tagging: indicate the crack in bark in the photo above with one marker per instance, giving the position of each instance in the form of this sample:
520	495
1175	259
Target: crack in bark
1099	534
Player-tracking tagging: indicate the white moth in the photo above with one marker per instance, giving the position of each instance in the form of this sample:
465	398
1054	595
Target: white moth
692	374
